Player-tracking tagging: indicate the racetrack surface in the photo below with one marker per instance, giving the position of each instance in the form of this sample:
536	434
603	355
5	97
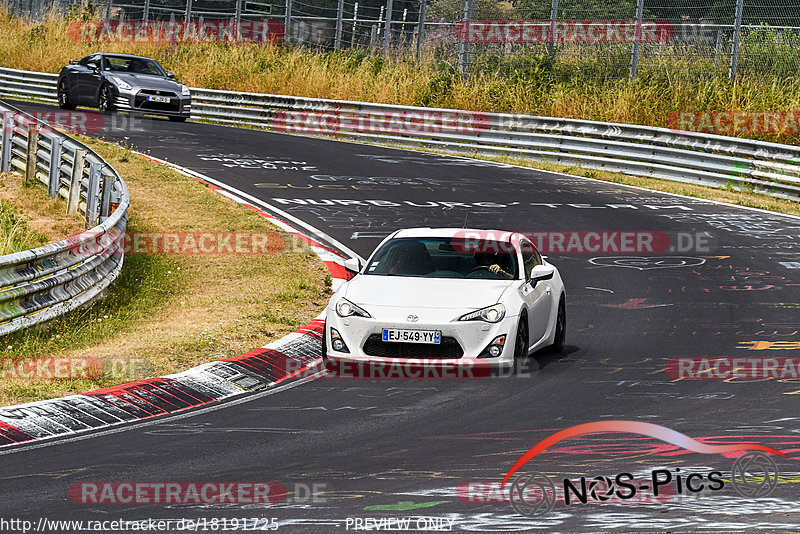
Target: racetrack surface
399	448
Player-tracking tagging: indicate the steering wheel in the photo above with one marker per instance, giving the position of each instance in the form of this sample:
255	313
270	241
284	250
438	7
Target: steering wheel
478	268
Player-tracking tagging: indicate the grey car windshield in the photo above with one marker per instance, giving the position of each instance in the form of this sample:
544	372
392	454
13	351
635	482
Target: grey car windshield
445	257
133	65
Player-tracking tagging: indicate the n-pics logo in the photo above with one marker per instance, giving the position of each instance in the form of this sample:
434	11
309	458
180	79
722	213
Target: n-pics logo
754	473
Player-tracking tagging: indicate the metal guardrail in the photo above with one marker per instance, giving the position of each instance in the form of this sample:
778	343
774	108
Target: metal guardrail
39	284
690	157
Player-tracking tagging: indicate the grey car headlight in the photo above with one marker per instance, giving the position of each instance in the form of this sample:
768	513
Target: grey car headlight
185	90
345	308
491	314
122	84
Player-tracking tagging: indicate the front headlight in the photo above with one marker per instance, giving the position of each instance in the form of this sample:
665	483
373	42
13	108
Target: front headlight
185	90
345	308
122	84
492	314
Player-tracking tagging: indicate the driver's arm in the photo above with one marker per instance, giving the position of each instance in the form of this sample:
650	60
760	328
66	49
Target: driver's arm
497	270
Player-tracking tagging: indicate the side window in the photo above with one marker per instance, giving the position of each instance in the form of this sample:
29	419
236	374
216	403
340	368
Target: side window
530	257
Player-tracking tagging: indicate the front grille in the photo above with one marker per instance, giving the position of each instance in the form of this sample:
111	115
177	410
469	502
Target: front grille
449	348
140	101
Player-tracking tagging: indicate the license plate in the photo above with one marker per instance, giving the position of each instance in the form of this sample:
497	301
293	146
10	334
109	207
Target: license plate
162	99
432	337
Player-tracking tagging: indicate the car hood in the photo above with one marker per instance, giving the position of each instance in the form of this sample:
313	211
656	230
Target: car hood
147	80
415	292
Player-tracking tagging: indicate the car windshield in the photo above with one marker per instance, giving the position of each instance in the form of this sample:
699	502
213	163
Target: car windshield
135	65
445	257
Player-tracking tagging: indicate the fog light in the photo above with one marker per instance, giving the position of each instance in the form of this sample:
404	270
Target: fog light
495	348
337	343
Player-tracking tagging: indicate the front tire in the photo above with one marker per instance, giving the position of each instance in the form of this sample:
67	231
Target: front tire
521	342
324	340
64	101
561	327
105	99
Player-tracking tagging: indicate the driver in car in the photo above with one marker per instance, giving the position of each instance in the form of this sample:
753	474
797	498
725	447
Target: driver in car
490	261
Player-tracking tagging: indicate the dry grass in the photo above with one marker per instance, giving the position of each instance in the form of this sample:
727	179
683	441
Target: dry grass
44	215
170	312
513	84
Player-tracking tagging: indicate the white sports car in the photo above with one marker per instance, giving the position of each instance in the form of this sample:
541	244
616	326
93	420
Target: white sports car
450	296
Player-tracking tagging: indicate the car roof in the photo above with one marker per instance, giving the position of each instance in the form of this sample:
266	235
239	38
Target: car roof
119	54
497	235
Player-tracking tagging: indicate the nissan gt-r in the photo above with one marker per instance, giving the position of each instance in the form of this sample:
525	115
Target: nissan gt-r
123	82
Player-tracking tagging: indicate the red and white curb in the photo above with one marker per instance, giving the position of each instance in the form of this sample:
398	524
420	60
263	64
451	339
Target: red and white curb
286	359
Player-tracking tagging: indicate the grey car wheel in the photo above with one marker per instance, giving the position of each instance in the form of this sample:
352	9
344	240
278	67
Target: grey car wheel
64	101
104	101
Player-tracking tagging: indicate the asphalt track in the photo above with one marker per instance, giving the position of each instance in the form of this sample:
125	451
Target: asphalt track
399	448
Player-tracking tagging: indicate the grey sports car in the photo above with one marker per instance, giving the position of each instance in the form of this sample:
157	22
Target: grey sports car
123	82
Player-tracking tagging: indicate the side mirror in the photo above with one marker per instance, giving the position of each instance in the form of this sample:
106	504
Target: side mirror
352	265
93	66
171	75
541	272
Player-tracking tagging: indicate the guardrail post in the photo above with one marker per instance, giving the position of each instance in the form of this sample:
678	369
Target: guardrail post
105	197
5	148
463	52
55	166
287	23
33	148
388	26
146	15
108	10
188	14
737	34
423	4
74	195
337	43
92	194
637	37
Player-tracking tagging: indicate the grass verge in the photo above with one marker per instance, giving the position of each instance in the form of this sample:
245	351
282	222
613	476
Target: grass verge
169	312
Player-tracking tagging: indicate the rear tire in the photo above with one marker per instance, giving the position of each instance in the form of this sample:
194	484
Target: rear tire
521	342
64	101
561	327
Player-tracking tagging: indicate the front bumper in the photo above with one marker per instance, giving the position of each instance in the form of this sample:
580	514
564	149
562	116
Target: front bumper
136	101
462	341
